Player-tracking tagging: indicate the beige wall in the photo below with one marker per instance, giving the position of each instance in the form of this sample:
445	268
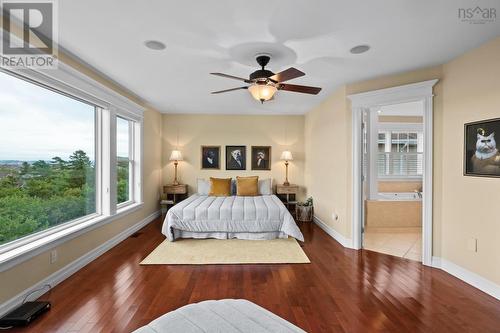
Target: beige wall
197	130
464	207
471	89
399	186
328	160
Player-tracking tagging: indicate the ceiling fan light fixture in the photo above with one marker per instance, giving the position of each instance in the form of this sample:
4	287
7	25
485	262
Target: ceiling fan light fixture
263	92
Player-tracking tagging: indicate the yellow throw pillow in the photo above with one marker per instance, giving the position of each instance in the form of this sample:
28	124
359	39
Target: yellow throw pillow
247	186
220	187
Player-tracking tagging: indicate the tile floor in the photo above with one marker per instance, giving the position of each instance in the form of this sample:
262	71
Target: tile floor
400	242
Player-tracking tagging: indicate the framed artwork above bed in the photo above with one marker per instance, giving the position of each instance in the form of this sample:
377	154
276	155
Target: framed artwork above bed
236	157
261	157
210	157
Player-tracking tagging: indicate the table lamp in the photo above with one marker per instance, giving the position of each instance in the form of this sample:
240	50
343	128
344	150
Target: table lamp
176	156
286	156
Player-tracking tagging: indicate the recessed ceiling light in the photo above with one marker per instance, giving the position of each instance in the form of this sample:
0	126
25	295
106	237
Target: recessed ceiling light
360	49
154	45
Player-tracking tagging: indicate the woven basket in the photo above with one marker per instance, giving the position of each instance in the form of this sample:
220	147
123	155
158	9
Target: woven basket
304	213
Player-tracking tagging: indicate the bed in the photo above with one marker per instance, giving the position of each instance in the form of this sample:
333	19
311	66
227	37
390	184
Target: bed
256	217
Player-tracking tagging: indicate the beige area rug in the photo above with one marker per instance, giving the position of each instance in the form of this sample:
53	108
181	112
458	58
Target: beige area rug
227	251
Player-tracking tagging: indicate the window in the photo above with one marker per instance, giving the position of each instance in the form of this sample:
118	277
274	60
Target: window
400	154
47	158
124	161
55	163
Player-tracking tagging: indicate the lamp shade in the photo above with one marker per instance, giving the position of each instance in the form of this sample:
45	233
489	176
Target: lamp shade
262	92
287	155
176	155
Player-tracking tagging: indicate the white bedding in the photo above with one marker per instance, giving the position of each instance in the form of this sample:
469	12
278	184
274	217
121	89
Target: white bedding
234	214
226	315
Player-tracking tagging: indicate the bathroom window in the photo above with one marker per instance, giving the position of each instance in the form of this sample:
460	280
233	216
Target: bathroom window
400	154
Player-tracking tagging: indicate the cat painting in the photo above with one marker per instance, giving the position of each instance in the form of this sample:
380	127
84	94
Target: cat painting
482	156
486	160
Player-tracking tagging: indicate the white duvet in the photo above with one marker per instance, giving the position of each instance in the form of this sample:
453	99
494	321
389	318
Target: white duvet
234	214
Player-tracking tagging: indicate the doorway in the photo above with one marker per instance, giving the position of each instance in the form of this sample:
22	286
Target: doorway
366	157
392	160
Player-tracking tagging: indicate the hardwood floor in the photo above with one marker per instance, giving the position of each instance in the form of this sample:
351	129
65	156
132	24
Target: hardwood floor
340	291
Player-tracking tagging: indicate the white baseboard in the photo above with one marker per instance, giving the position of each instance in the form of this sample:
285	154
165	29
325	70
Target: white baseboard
475	280
68	270
345	242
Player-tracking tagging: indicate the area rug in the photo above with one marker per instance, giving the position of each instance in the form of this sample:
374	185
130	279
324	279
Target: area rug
227	251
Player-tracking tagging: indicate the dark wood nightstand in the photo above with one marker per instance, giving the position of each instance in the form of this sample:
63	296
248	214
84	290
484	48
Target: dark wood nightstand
172	194
288	194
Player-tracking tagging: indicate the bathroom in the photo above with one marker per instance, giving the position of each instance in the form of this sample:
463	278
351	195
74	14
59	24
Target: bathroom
392	179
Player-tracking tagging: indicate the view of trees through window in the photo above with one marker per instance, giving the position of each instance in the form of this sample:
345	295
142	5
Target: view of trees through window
47	159
123	161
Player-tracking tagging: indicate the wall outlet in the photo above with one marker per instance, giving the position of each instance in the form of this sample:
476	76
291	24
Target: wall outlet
53	256
472	244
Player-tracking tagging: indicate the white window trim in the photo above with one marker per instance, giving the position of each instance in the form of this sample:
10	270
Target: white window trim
109	104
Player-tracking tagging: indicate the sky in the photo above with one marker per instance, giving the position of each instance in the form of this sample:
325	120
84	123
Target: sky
39	124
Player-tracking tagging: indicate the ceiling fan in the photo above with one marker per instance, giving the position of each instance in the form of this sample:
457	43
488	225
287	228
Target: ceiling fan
263	83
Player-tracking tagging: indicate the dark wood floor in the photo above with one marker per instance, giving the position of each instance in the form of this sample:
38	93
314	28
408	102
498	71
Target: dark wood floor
340	291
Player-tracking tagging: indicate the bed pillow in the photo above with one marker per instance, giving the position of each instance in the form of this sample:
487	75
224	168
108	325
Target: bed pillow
265	186
203	186
220	187
247	186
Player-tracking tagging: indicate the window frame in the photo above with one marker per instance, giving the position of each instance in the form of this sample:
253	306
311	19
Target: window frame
388	129
108	105
388	142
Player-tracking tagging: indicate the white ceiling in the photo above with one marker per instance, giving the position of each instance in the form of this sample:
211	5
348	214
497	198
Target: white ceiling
223	35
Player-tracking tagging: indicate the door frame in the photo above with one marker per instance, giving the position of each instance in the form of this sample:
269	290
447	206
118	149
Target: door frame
421	91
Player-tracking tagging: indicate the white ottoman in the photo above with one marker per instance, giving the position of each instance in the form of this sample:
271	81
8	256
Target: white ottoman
227	315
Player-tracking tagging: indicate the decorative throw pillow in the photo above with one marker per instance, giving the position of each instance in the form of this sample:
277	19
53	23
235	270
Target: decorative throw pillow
265	186
247	186
220	187
203	186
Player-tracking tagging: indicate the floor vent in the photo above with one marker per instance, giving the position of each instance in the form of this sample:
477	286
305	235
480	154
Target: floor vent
137	234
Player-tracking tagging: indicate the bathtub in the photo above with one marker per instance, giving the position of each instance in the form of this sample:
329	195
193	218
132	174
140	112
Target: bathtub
399	196
401	209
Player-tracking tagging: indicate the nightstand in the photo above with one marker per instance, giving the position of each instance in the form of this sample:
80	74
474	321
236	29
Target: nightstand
288	194
172	194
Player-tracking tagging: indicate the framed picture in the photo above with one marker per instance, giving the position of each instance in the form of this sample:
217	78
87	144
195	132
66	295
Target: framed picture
261	157
236	157
210	157
481	156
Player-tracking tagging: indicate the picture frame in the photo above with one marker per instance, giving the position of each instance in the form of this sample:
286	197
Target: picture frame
210	157
236	157
481	155
261	158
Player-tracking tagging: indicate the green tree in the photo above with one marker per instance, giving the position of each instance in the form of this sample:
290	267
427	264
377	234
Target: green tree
80	166
25	168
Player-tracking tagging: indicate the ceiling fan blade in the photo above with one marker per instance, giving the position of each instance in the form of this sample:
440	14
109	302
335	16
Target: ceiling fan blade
300	89
231	77
287	74
223	91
